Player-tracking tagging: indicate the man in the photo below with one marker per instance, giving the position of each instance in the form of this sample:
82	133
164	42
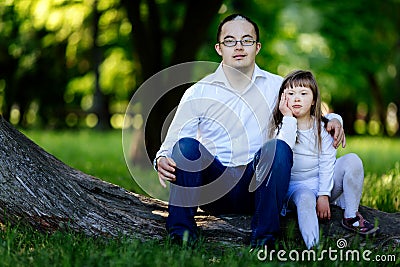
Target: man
217	142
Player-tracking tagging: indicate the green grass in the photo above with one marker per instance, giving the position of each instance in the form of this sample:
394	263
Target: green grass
100	154
21	246
379	155
96	153
381	160
25	247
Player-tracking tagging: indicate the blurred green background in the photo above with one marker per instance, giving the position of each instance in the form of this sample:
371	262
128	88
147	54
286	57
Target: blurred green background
68	69
76	64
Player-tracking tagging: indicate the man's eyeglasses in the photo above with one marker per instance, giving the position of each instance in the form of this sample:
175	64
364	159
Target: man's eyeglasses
233	42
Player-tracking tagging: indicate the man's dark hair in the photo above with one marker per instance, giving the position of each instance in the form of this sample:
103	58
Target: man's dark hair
237	17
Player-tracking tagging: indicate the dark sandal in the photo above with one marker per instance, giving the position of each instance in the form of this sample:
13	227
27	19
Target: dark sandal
359	225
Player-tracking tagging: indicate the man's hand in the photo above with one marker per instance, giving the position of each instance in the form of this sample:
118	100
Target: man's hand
323	208
336	129
165	169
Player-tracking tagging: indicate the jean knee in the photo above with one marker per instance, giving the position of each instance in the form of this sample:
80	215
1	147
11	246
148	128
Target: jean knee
186	147
283	153
283	147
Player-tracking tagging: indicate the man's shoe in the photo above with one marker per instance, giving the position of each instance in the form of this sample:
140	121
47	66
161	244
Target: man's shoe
257	244
183	241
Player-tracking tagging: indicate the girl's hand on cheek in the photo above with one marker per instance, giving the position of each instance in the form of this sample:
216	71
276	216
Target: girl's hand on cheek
284	106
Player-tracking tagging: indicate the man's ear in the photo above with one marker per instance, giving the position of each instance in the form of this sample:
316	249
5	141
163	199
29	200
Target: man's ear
258	47
218	49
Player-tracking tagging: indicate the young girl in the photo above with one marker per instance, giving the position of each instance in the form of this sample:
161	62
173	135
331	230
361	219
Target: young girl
299	122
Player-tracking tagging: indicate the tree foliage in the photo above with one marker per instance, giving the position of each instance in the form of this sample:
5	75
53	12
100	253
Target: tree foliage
77	63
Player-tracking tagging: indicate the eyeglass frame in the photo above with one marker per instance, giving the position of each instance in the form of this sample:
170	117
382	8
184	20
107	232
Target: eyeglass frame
239	41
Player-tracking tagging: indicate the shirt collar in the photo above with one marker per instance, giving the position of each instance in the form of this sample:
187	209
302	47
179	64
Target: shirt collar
258	73
219	76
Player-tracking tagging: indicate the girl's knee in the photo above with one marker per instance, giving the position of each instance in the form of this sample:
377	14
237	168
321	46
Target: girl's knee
353	165
305	200
354	159
308	199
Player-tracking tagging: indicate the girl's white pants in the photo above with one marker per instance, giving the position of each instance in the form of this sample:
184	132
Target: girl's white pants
346	193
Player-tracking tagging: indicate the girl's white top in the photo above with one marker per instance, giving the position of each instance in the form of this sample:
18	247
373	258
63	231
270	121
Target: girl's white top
311	168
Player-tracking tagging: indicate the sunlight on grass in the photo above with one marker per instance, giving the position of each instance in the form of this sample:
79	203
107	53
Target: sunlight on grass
95	153
383	191
381	159
379	155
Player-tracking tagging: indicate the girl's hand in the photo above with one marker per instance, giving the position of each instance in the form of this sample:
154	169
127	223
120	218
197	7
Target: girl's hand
323	209
283	105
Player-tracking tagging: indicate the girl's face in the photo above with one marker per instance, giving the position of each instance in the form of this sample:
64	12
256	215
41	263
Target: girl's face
300	100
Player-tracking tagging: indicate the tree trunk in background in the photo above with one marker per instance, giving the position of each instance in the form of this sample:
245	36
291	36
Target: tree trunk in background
396	84
348	110
100	101
37	189
148	39
379	103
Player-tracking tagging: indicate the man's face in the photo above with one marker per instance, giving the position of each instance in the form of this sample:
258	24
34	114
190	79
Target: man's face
239	57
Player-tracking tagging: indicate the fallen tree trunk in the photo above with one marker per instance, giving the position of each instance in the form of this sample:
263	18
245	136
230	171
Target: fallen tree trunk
39	190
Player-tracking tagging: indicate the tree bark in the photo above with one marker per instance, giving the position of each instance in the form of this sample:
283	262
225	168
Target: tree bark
39	190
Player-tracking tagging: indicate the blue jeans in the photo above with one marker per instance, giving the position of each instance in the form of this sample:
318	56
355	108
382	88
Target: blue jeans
202	180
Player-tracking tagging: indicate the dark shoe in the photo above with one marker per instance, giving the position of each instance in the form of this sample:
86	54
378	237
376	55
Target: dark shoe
257	244
185	240
359	225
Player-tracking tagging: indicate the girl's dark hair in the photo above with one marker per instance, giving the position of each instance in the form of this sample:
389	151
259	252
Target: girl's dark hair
300	78
238	17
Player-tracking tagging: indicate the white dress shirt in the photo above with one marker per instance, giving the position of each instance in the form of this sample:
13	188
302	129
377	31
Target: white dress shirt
231	124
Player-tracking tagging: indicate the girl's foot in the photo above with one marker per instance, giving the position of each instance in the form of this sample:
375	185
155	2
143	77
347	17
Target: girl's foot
359	225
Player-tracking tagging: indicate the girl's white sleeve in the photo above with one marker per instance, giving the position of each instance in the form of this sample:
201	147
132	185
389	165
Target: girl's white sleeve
331	116
288	131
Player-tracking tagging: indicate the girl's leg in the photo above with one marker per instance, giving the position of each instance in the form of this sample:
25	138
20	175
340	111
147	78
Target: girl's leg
305	201
348	184
346	193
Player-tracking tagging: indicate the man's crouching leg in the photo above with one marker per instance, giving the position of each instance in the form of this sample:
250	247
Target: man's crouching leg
272	163
190	157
